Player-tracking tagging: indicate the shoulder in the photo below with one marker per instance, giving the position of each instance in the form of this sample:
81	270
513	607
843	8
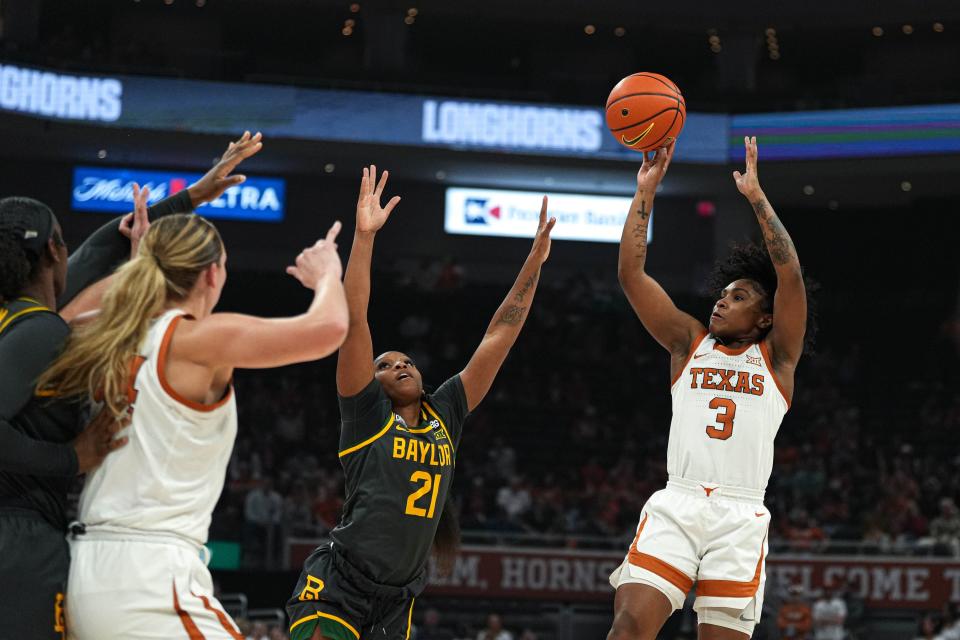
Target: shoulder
372	400
448	396
36	326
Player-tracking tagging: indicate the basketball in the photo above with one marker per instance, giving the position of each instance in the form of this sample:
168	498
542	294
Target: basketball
645	111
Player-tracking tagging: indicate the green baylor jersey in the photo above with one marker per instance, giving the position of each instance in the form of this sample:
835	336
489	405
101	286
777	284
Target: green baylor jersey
397	477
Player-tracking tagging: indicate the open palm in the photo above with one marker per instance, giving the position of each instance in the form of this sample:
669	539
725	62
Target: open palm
370	215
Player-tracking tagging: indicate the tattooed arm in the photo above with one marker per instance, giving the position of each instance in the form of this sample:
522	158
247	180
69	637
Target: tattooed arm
790	302
672	328
508	320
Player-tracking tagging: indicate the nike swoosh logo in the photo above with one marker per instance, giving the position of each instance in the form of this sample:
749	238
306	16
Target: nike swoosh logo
759	515
700	355
634	141
746	619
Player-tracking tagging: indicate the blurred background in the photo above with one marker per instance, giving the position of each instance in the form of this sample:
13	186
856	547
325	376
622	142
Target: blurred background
477	108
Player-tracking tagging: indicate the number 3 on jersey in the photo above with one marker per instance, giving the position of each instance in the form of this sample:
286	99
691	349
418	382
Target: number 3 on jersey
724	417
429	483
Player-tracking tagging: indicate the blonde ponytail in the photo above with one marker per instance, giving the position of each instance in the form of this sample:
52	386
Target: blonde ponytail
97	356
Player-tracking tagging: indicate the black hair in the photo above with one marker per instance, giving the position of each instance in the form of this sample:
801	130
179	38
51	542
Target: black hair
751	261
446	542
15	265
25	226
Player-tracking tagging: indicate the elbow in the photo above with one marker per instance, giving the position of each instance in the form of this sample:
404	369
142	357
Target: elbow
626	275
327	336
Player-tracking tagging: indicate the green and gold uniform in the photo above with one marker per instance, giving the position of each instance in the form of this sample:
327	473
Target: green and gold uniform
362	584
37	459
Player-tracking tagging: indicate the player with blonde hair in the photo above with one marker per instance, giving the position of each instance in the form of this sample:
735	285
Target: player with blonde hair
157	352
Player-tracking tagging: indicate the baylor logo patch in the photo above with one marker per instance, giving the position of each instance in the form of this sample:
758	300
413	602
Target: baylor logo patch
313	588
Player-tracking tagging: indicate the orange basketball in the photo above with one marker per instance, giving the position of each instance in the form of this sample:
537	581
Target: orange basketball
645	111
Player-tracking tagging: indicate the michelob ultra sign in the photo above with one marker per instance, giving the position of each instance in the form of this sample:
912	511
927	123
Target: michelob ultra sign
110	189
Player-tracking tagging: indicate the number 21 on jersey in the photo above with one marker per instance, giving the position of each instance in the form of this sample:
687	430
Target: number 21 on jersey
430	484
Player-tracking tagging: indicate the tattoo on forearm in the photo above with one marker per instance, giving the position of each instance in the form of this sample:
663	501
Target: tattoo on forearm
640	231
512	315
779	245
642	211
762	209
518	296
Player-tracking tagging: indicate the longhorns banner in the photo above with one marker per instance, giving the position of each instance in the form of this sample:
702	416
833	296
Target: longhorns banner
570	575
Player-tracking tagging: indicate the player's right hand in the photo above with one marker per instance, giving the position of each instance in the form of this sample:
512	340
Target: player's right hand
318	261
654	167
98	439
214	182
370	215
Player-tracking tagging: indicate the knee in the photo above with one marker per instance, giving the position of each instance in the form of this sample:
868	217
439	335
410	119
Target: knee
627	626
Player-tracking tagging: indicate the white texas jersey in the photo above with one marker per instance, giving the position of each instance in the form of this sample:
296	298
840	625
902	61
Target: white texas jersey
169	476
727	408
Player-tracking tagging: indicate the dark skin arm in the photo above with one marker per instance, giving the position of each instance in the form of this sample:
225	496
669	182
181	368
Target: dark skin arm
507	322
785	340
675	330
355	367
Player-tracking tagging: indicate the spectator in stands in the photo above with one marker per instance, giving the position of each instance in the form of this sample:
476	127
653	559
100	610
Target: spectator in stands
451	275
262	511
514	499
258	632
494	630
929	626
856	609
795	618
528	634
945	529
431	629
829	615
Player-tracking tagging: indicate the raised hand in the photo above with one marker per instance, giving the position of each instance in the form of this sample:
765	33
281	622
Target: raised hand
654	167
135	225
212	185
748	183
319	260
98	439
370	215
541	241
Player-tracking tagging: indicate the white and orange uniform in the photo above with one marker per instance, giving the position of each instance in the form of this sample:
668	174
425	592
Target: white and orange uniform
137	572
709	525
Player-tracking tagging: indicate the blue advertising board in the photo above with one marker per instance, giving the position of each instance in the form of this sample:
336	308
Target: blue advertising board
110	189
167	104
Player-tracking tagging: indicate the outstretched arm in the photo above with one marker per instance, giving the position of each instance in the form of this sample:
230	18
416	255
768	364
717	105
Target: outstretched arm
234	340
790	302
672	328
108	247
508	320
133	226
355	361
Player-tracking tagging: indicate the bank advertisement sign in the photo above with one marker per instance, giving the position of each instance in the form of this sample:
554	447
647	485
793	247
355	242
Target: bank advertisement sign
515	214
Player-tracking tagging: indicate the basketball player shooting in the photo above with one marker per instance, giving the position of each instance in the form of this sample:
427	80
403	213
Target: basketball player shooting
731	385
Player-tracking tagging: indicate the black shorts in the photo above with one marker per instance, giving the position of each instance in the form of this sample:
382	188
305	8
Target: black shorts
346	605
34	561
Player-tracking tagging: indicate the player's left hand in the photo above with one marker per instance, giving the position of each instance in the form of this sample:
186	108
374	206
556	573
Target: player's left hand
212	185
748	183
541	242
135	225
